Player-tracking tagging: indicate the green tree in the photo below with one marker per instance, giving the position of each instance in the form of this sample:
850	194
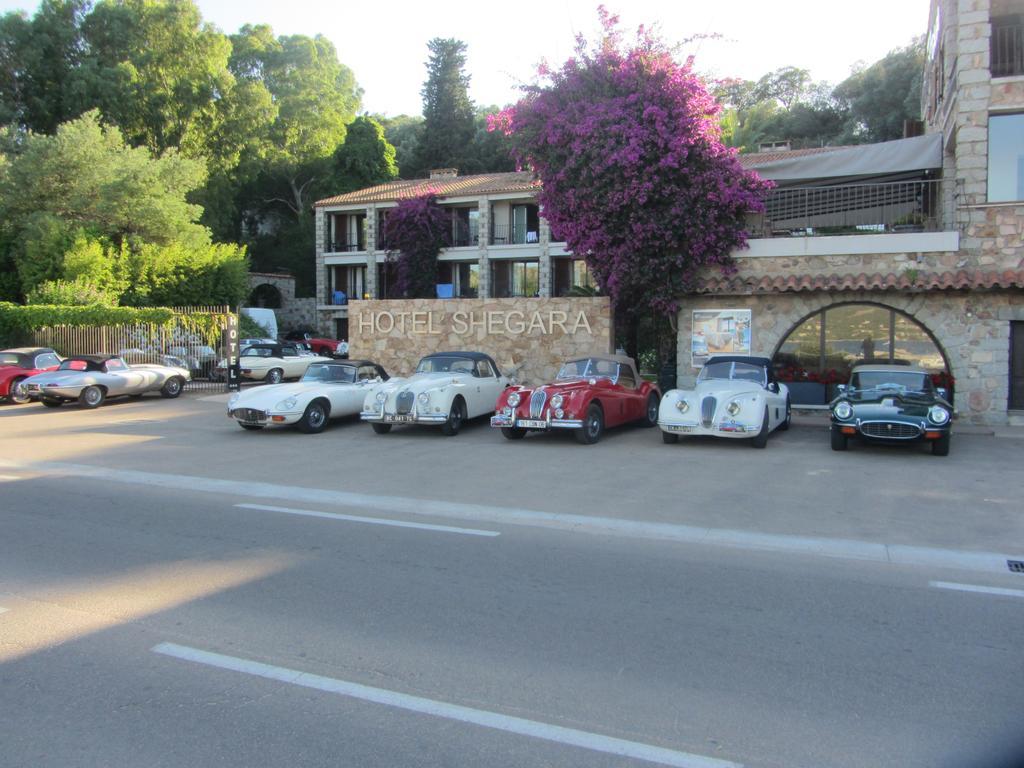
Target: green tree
448	115
404	133
880	97
365	159
787	86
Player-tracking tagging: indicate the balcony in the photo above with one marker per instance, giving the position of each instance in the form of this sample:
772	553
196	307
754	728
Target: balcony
1007	51
502	234
850	209
344	246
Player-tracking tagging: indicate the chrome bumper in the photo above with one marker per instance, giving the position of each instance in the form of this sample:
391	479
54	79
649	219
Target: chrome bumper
508	422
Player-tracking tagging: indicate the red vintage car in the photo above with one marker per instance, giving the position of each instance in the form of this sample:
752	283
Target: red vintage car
18	364
588	394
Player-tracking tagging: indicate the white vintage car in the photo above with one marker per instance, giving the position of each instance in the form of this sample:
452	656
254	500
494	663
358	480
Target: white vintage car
91	379
735	396
326	391
273	363
447	389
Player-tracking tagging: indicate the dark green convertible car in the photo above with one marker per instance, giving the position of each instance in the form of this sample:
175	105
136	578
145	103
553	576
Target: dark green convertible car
891	404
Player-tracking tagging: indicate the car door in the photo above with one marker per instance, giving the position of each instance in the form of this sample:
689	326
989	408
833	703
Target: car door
486	385
119	379
292	364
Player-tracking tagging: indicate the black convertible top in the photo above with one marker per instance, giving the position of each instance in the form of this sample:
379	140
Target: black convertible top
98	359
766	362
470	355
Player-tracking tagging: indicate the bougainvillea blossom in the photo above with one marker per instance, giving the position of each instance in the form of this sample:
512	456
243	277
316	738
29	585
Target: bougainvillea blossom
415	231
635	177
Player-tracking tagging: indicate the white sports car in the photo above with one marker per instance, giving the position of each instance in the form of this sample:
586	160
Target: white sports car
327	390
273	363
447	389
91	379
735	396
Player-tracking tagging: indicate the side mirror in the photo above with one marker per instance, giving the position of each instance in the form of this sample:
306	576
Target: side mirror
840	388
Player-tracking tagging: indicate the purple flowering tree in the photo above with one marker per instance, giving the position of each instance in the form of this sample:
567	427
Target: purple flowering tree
415	231
635	177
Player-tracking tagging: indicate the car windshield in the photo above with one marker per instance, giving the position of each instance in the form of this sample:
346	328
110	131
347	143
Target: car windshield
590	368
445	365
733	370
895	381
344	374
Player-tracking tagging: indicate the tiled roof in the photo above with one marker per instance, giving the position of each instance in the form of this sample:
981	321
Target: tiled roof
762	158
941	281
450	186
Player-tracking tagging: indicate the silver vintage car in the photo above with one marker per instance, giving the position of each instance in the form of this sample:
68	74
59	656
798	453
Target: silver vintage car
91	379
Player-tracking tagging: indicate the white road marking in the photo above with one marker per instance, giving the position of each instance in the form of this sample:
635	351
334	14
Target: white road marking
847	549
585	739
977	588
370	520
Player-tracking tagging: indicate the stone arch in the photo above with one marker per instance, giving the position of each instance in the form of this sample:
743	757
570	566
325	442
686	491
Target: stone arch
266	295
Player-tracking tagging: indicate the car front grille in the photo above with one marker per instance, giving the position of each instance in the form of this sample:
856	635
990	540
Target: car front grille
404	401
537	401
249	414
890	429
707	410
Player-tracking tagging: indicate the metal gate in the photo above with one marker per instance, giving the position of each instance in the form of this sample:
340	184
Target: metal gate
194	339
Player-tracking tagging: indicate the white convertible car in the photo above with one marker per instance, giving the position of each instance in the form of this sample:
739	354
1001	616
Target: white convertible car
735	396
91	379
273	363
326	391
447	389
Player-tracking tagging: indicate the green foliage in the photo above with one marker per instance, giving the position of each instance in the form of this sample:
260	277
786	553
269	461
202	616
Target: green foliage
880	97
365	159
179	275
404	133
250	329
77	292
448	115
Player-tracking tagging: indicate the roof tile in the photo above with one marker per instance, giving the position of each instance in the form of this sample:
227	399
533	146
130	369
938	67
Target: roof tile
449	186
938	281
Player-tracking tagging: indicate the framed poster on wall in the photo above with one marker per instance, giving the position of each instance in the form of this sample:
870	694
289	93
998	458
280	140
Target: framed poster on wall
719	332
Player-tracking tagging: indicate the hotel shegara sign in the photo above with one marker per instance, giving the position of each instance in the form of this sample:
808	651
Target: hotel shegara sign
474	322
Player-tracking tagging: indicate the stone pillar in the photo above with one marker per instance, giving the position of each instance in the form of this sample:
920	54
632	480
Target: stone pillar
484	278
545	281
370	286
320	235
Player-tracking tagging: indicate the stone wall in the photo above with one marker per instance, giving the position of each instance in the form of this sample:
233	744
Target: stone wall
293	312
971	328
529	338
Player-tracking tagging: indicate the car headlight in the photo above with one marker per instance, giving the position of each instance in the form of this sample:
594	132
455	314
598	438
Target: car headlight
423	397
843	410
938	414
286	405
559	413
733	408
514	399
682	406
381	397
556	402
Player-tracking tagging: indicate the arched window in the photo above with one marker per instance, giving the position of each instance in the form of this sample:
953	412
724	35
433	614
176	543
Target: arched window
822	349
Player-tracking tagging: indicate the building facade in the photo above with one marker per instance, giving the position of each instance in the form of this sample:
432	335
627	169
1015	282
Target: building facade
909	251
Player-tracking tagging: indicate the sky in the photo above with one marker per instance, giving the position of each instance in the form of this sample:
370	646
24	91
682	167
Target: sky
385	43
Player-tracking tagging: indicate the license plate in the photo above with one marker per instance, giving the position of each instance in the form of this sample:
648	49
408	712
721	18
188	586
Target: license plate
532	424
399	418
677	428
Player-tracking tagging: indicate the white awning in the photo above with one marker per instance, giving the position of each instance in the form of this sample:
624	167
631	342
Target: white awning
888	158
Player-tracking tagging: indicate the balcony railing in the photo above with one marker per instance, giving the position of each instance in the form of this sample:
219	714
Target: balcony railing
1007	52
850	209
463	235
343	246
502	234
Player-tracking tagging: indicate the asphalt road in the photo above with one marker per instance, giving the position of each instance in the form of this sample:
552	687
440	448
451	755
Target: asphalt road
152	621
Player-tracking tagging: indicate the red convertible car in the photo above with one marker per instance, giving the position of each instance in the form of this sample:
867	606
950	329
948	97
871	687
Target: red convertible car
16	365
588	394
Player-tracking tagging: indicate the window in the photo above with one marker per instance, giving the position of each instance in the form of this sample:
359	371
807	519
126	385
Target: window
483	369
515	278
626	377
569	274
1005	158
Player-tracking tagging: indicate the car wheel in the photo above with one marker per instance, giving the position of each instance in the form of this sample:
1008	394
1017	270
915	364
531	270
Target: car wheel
940	447
839	440
455	418
668	438
52	403
761	439
274	376
172	387
789	416
12	392
251	427
513	433
593	426
315	418
651	414
91	397
380	429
